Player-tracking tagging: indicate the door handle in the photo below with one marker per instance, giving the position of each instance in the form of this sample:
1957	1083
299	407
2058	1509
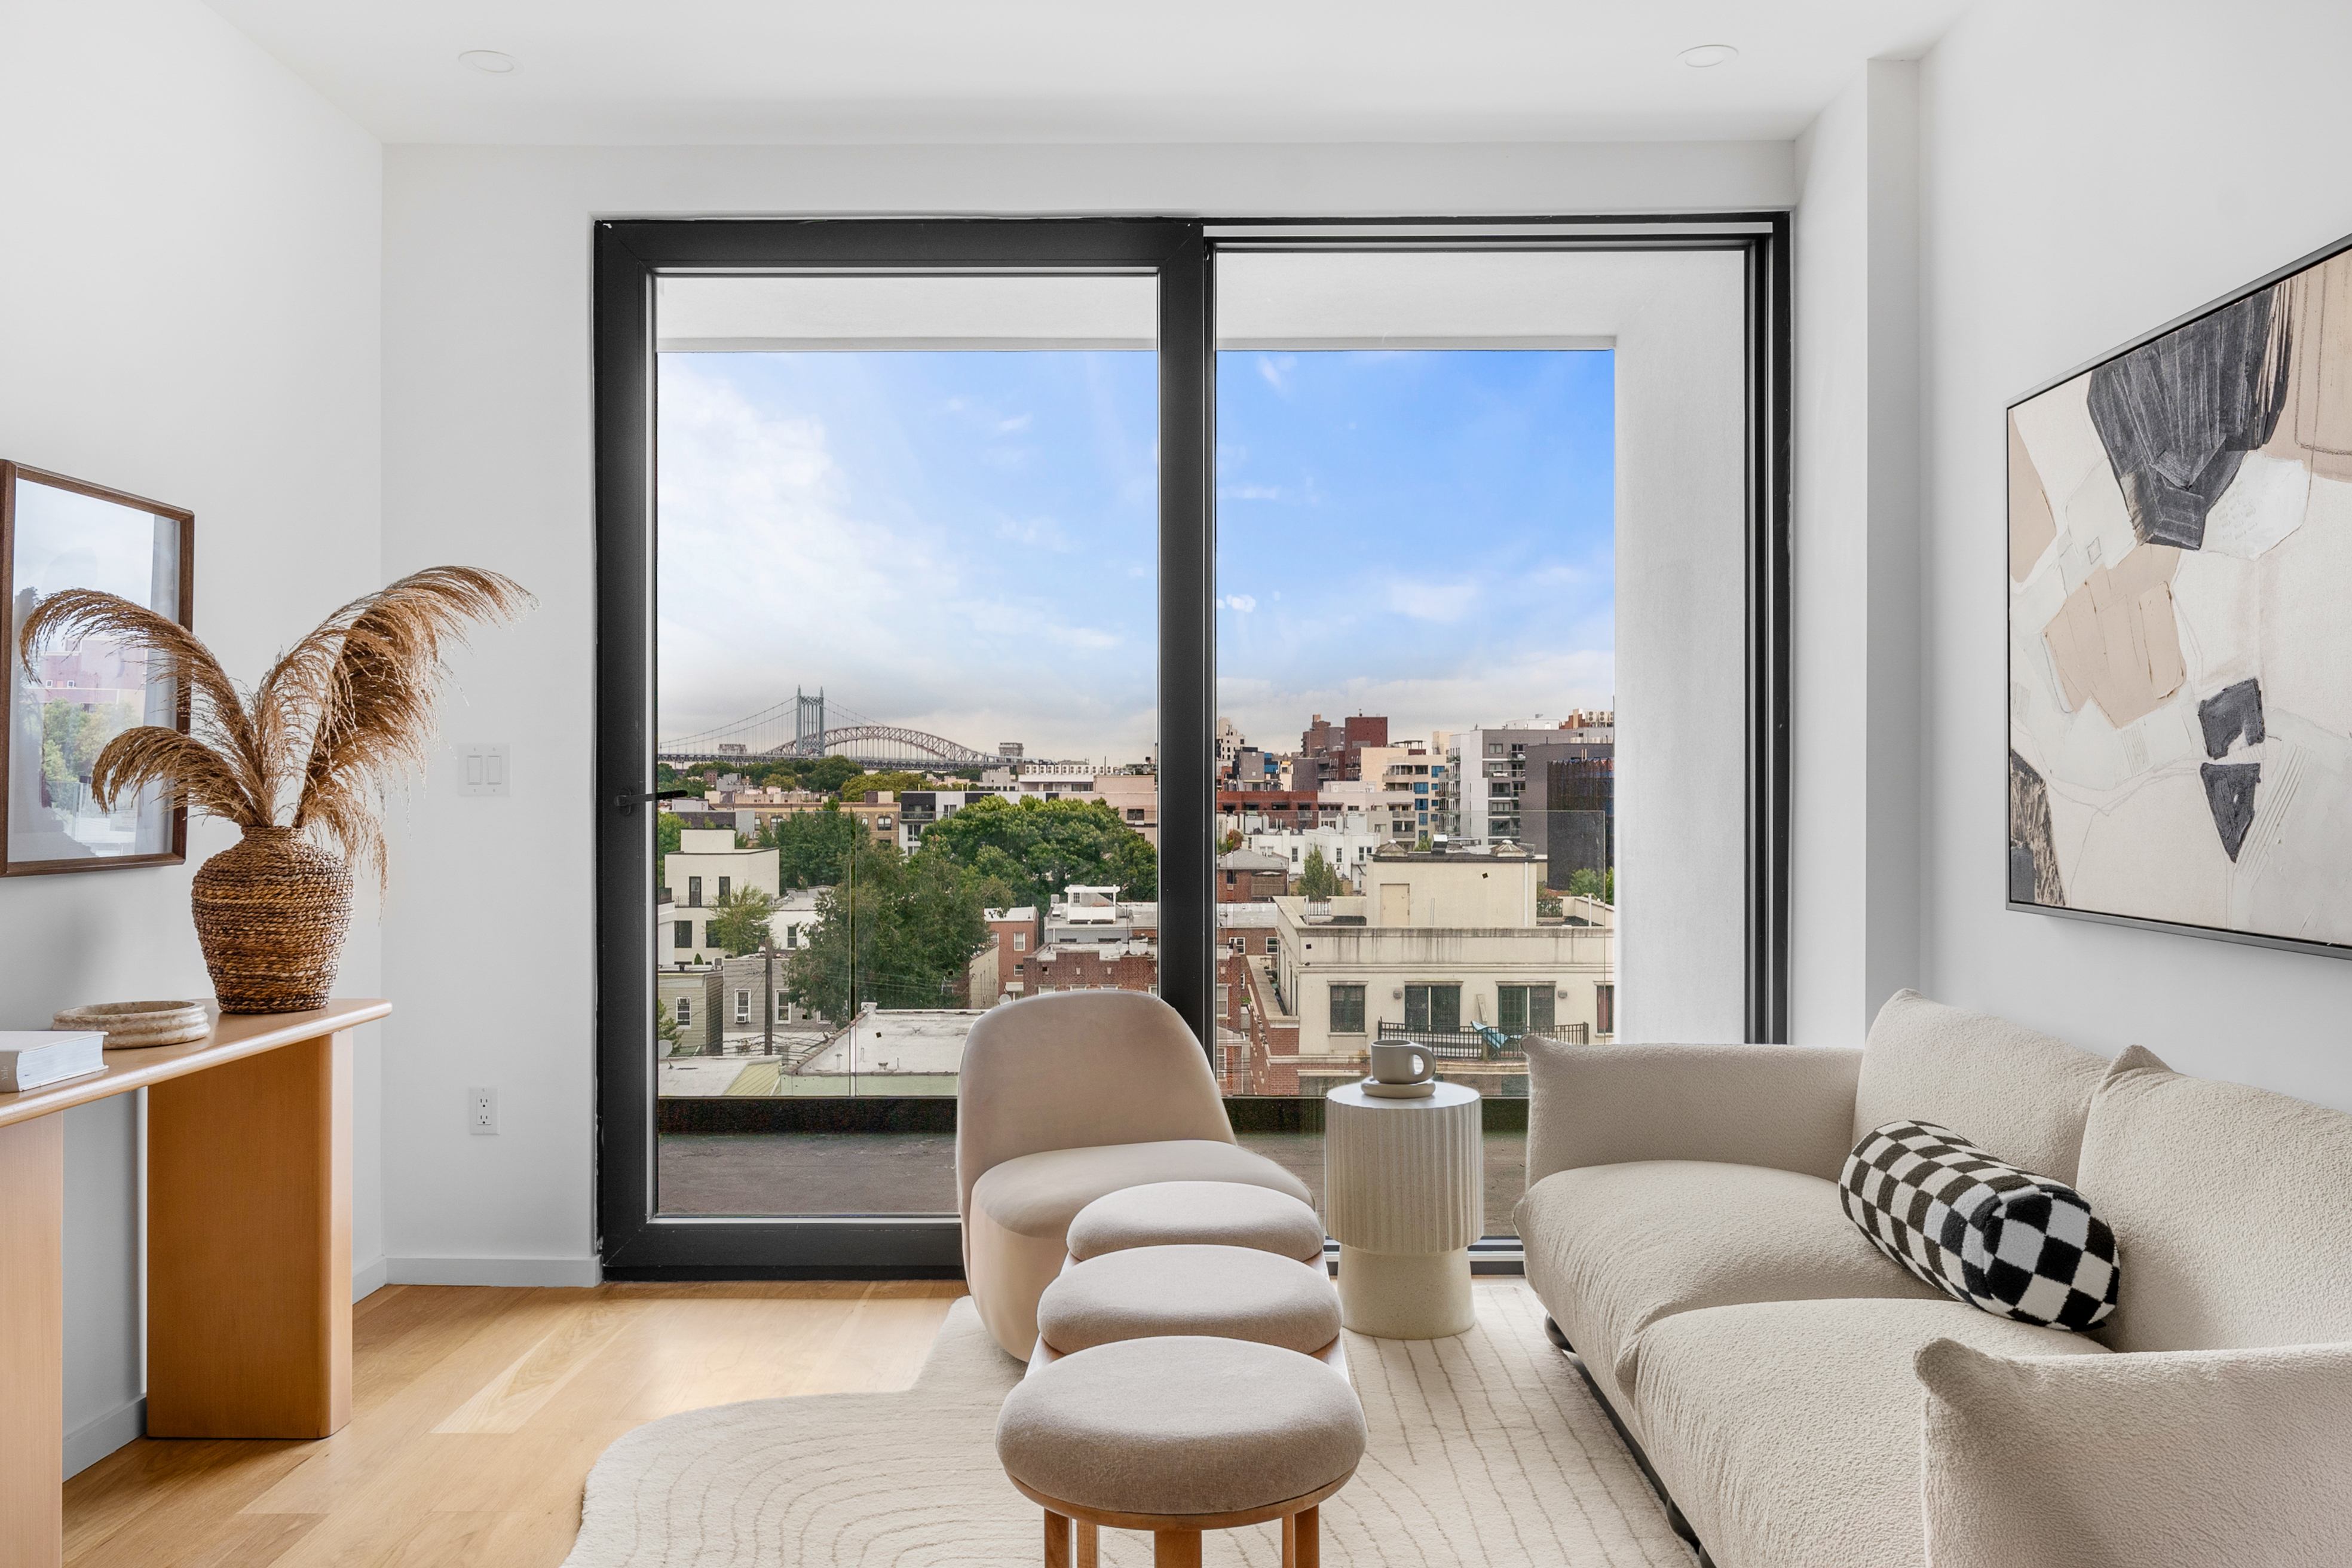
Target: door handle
629	800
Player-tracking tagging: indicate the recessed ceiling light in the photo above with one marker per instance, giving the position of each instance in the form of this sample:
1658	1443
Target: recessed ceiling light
1707	54
495	64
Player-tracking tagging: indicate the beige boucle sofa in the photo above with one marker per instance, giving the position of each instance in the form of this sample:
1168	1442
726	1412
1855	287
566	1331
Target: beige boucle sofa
1809	1405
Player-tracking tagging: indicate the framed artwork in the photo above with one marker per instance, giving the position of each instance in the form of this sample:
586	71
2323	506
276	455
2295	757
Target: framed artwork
56	532
2180	623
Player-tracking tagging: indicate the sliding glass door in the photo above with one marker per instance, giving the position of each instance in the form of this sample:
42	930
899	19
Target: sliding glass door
992	609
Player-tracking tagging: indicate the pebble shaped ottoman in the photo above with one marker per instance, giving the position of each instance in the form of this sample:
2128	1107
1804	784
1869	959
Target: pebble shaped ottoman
1227	1292
1211	1214
1177	1435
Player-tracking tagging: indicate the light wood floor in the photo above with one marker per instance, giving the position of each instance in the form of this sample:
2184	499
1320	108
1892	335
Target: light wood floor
475	1413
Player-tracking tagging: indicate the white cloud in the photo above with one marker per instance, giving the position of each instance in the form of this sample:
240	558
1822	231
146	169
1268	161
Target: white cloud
1250	493
1441	602
1243	603
1276	370
779	567
1019	422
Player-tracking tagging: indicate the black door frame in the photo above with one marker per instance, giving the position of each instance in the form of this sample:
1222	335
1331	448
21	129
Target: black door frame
629	255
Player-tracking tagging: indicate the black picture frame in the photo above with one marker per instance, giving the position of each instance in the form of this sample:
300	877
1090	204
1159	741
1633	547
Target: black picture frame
630	254
11	476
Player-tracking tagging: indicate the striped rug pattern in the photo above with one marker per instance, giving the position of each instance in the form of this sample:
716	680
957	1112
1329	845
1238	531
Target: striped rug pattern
1485	1449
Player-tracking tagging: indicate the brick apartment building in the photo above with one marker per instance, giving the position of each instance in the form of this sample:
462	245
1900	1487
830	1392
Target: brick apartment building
1281	808
1337	750
1094	966
1251	876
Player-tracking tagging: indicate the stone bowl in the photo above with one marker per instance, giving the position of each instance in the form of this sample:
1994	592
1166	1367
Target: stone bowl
131	1023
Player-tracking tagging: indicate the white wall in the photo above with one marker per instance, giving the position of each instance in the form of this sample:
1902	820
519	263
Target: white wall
2092	171
1855	864
487	459
188	306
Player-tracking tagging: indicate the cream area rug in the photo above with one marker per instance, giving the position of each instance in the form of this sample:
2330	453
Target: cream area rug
1485	1449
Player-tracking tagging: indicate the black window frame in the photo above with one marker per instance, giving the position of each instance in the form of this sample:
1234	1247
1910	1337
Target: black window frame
1338	1026
628	255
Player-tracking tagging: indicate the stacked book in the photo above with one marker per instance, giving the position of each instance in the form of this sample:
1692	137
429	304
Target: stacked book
31	1057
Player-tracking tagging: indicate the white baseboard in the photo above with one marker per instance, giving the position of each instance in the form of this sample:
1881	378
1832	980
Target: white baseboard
100	1436
370	1277
493	1271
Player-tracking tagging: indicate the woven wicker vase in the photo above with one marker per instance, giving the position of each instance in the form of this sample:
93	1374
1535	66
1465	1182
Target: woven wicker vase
271	916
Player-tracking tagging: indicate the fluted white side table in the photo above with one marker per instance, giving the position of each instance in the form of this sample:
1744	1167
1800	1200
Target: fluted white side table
1403	1183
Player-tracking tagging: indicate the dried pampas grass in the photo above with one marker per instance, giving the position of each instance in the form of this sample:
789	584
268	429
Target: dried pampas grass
314	746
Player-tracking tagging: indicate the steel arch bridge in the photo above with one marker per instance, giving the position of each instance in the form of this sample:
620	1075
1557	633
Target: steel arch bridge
796	727
869	745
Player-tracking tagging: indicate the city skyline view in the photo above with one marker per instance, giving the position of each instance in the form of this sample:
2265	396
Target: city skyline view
965	542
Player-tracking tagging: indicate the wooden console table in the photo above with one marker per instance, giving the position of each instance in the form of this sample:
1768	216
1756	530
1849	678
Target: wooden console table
248	1249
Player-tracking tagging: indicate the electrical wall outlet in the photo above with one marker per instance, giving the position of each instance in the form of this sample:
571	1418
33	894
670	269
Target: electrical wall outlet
482	768
482	1112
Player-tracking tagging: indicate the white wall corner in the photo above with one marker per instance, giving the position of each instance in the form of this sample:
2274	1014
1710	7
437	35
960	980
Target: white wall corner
1855	855
100	1436
1895	768
370	1277
541	1271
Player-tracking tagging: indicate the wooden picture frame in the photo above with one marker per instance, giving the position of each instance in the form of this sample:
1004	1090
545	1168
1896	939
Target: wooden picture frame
48	825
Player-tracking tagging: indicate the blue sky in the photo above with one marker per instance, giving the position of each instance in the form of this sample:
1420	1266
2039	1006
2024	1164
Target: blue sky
966	542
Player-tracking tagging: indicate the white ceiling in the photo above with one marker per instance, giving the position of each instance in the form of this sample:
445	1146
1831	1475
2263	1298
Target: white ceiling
761	71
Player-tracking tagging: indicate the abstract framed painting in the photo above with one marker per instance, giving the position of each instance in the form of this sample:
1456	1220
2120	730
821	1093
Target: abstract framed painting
55	533
2180	623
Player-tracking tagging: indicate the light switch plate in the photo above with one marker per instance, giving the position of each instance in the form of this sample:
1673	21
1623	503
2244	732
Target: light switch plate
482	768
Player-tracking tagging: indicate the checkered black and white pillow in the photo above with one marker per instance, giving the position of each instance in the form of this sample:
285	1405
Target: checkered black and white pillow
2013	1243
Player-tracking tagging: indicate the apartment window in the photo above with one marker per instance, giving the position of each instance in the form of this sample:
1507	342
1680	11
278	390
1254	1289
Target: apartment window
724	883
711	935
1347	1009
1604	1009
694	892
742	1006
1237	544
792	936
1020	941
1524	1009
685	1011
1433	1006
682	933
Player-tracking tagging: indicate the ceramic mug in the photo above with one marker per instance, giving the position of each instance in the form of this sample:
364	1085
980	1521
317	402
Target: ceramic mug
1402	1062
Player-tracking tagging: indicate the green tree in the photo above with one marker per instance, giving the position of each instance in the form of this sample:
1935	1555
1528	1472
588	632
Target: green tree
1230	842
72	736
812	845
896	930
741	923
897	783
1037	848
666	1029
1316	880
1584	882
667	828
828	773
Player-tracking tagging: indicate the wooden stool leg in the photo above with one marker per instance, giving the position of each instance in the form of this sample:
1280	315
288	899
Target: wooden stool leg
1175	1549
1306	1529
1289	1540
1057	1540
1089	1544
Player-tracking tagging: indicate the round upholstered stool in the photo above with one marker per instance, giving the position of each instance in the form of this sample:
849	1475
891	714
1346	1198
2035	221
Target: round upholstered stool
1228	1292
1209	1214
1179	1435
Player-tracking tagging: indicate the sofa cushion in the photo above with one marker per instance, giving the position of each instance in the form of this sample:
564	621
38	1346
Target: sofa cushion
2004	1240
1610	1249
2205	1458
1788	1431
2232	1205
2019	1094
1016	1237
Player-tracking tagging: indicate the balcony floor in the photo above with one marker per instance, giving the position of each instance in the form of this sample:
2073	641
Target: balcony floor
914	1173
